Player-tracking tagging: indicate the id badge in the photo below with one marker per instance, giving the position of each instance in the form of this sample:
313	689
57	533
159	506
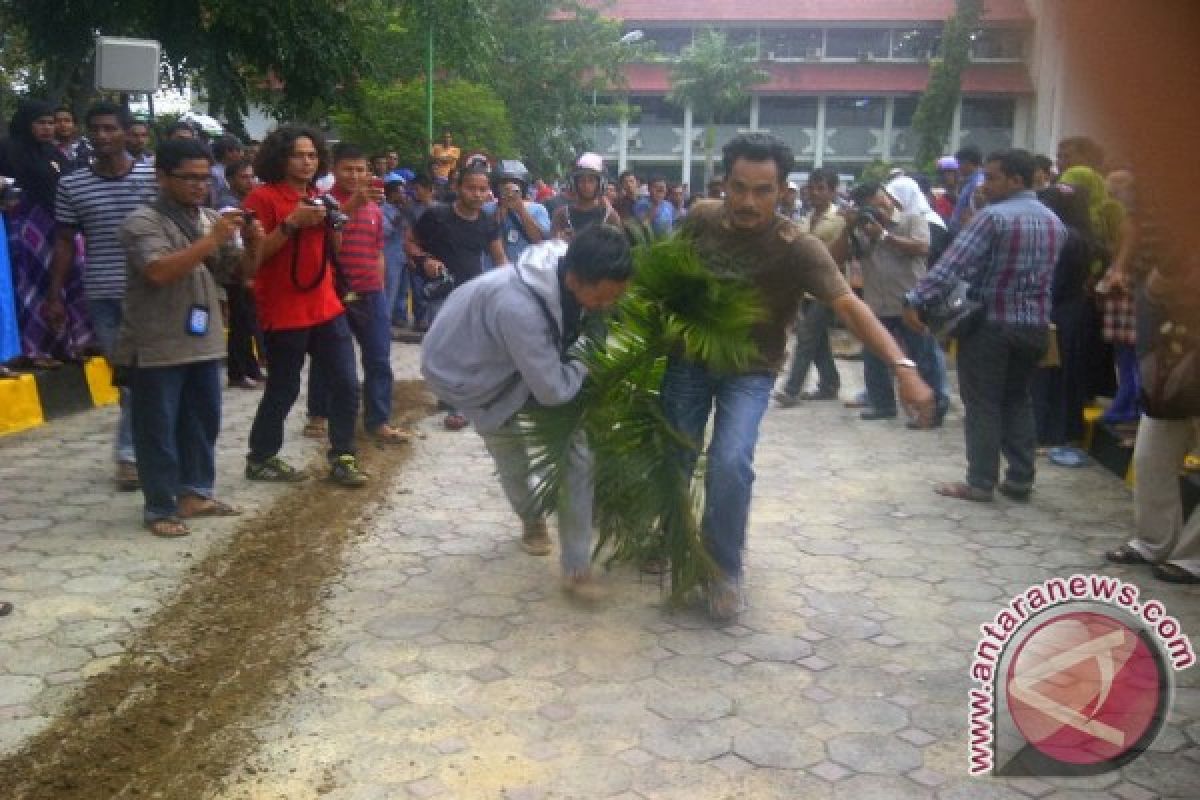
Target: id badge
197	320
514	236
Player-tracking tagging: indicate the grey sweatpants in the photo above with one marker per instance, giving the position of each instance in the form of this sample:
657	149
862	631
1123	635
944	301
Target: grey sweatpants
507	449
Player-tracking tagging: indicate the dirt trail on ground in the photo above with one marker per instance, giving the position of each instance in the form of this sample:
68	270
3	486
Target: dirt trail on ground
171	718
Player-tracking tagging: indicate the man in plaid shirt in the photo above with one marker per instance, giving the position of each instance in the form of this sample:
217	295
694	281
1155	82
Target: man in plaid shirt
1007	254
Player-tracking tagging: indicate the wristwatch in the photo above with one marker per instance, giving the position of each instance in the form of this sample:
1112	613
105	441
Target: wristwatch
904	363
288	228
883	237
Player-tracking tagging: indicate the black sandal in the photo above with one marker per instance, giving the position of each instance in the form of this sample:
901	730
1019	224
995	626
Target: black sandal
1172	573
6	608
1126	555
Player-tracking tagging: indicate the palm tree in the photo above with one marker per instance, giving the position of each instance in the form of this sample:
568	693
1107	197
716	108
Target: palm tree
714	78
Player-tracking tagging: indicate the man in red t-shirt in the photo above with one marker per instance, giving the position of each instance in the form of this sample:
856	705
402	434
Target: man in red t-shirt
298	307
360	261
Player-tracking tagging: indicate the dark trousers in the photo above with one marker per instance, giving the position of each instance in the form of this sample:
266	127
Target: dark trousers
332	351
921	348
813	349
368	319
996	364
176	418
245	339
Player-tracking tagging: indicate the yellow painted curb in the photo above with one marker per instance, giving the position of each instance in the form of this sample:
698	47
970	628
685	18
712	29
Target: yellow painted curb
20	405
99	379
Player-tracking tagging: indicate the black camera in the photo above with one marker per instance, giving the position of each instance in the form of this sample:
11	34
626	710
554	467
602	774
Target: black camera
867	215
335	218
10	193
437	288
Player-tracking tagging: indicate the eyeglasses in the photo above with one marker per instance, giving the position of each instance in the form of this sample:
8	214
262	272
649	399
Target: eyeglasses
195	180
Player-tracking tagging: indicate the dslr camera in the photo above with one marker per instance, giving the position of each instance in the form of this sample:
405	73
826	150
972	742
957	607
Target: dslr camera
335	218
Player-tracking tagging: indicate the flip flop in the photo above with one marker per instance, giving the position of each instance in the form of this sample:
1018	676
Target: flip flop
212	508
962	491
1172	573
386	434
1125	555
168	527
1067	457
6	608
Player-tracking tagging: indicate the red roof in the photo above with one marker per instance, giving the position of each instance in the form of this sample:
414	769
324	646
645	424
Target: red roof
801	11
857	78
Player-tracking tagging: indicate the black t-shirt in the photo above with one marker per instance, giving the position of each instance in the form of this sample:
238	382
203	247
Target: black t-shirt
456	242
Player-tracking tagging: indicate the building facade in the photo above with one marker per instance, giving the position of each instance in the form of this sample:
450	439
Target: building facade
844	80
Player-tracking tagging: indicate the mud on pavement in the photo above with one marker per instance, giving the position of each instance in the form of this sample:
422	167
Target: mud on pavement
170	719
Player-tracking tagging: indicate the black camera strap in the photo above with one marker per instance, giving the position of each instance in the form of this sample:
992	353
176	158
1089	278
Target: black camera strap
296	262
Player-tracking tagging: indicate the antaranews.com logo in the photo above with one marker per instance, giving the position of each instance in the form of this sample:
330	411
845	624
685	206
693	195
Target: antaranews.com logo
1073	677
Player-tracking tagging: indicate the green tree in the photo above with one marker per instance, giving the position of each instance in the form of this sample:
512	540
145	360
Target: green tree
396	119
934	116
714	78
312	47
548	67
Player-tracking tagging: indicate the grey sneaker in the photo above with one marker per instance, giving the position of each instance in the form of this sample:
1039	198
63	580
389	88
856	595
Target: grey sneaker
535	540
724	599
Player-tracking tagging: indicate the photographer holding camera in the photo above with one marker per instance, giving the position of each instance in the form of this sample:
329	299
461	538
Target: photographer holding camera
522	222
892	244
171	341
360	264
299	307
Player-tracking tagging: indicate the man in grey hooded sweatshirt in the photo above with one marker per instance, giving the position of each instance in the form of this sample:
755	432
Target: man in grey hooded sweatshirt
504	340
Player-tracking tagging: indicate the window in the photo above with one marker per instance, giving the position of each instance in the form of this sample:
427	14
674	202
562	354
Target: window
668	42
781	43
854	112
988	112
787	111
997	43
742	36
856	42
903	111
916	43
654	110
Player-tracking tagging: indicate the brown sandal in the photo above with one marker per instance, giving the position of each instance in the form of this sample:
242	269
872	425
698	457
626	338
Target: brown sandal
963	491
1126	555
168	527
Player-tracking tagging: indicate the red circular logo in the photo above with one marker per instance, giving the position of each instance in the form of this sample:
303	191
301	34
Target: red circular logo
1084	688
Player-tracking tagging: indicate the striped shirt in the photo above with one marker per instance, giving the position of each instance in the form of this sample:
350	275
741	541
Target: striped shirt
97	206
362	244
1007	253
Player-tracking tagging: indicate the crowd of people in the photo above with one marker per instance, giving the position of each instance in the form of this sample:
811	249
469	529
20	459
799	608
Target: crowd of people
298	250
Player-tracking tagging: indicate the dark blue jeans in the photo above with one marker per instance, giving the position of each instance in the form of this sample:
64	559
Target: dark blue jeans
176	418
368	318
689	395
921	348
332	351
813	349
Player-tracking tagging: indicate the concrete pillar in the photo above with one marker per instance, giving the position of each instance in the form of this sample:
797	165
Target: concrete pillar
687	147
889	111
754	113
956	128
819	145
623	145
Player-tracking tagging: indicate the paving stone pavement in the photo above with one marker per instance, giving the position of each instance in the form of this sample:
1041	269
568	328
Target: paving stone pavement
451	665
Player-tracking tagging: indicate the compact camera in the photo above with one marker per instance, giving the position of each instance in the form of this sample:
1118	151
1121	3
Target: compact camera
10	193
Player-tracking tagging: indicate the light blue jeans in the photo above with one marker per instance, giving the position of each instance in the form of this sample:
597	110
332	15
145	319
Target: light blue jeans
575	506
689	395
106	322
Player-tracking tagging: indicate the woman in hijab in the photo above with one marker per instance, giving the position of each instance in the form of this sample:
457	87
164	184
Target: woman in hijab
29	156
1060	390
1108	219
